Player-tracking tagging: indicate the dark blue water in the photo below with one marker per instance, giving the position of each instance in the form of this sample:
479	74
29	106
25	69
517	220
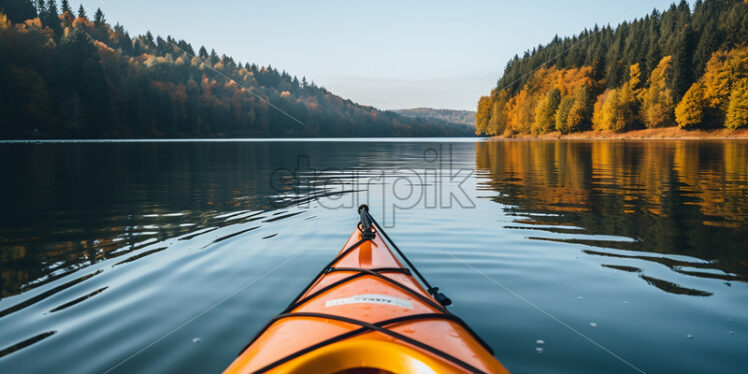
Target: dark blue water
168	257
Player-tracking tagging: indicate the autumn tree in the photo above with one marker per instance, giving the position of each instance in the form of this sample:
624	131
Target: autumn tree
580	113
498	120
606	106
658	102
689	35
707	102
521	112
73	85
737	109
689	113
635	81
482	116
620	106
562	114
545	112
722	71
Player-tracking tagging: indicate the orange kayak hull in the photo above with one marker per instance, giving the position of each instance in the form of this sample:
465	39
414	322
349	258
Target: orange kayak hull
340	324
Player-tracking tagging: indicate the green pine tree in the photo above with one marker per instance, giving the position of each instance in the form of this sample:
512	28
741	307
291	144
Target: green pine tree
683	72
52	17
18	10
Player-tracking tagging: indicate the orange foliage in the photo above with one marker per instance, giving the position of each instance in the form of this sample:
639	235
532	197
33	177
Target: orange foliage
709	98
518	113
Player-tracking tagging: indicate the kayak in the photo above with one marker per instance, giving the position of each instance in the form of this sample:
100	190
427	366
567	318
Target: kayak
367	313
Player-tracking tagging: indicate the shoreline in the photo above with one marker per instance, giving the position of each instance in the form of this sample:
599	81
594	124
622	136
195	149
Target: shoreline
665	133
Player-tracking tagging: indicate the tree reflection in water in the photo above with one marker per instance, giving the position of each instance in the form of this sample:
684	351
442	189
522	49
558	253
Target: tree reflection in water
671	197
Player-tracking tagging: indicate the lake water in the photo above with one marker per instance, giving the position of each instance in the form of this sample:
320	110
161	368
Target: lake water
617	255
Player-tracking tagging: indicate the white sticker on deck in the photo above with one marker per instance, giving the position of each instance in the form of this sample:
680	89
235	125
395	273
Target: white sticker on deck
370	299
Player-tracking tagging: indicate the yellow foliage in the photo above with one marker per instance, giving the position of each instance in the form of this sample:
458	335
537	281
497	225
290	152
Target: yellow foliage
617	110
658	101
710	98
635	77
597	114
638	101
4	23
81	21
610	112
520	113
103	47
482	115
498	121
737	109
545	112
33	23
690	111
722	70
285	94
562	114
579	113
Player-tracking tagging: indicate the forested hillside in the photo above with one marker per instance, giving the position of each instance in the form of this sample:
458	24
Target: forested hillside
67	75
465	117
680	67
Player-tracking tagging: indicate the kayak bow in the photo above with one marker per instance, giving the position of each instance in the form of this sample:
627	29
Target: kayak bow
366	313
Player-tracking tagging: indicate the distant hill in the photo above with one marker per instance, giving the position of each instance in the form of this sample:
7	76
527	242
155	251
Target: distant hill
65	74
464	117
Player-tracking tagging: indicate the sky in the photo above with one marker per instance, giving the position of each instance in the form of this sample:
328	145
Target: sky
388	54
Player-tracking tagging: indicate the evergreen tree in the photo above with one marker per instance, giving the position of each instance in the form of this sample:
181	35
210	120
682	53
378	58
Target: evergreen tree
18	10
52	17
66	6
708	43
683	73
41	10
100	27
81	12
99	17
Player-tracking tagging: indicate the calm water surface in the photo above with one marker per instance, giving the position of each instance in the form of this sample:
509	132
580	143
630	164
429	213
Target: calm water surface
119	255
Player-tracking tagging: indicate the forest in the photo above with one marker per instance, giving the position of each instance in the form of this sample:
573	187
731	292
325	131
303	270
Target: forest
465	117
680	67
65	74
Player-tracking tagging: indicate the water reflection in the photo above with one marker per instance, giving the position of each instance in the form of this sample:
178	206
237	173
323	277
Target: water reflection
105	248
682	199
68	206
